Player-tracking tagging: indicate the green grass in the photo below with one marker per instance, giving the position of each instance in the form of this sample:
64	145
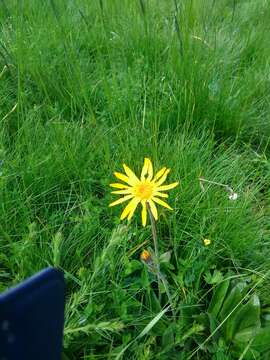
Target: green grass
88	85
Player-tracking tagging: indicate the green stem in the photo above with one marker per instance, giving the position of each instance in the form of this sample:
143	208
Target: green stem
154	234
160	277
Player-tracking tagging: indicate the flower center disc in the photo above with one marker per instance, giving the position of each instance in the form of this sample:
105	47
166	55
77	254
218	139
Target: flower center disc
144	190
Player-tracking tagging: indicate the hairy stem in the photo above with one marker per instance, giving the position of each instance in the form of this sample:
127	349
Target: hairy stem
154	234
160	277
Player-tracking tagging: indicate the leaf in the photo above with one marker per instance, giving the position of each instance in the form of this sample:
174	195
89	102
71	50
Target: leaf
213	325
152	301
132	266
244	336
262	340
233	299
165	257
218	298
145	331
244	324
202	319
153	322
168	337
196	329
145	281
214	278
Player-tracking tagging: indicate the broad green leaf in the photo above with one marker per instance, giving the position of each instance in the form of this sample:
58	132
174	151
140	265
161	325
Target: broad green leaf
165	257
218	298
213	325
132	266
245	335
145	279
262	340
245	322
233	299
202	319
152	301
168	337
244	351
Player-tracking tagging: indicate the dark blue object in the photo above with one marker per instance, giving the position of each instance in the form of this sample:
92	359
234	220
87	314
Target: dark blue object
32	318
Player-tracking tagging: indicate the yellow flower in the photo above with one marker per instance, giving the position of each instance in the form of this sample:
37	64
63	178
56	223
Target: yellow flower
206	242
145	256
147	190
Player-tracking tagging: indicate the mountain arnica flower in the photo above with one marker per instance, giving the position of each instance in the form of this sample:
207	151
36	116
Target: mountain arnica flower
146	190
146	256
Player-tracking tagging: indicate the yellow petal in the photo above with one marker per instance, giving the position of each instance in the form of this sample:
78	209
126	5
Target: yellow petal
130	173
168	187
153	209
131	206
144	169
147	170
144	213
161	202
159	173
126	211
121	200
132	211
124	178
121	192
163	177
150	170
119	186
160	194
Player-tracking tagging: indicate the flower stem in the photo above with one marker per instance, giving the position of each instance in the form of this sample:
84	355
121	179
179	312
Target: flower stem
154	234
160	277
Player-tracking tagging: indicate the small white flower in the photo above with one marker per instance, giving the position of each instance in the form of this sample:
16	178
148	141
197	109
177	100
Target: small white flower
233	196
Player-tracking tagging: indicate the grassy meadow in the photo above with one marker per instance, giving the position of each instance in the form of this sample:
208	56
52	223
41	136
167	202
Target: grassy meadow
86	86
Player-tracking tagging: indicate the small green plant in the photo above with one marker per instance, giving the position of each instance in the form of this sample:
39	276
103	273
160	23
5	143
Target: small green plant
235	322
